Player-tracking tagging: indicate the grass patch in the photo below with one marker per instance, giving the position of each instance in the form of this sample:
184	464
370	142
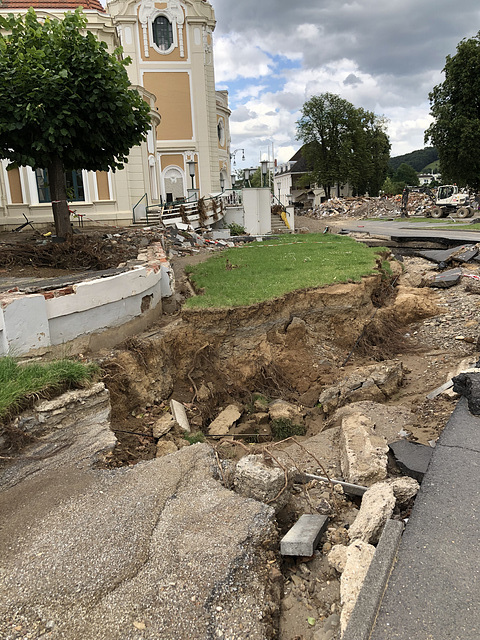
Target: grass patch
20	384
193	438
265	270
283	428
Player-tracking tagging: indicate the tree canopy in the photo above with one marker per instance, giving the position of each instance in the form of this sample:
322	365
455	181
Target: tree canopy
343	144
406	174
455	107
65	102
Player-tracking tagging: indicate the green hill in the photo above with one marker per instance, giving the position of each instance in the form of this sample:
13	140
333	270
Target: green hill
419	159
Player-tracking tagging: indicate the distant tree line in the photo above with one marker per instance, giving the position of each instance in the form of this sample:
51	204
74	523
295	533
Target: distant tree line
418	159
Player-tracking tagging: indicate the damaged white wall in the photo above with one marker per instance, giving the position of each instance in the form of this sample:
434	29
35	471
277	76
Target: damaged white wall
33	321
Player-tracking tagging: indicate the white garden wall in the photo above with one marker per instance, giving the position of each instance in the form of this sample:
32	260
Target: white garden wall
29	322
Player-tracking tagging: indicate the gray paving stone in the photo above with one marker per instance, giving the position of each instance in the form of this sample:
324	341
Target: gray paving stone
303	537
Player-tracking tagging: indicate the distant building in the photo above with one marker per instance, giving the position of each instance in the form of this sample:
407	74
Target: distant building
426	178
170	43
290	184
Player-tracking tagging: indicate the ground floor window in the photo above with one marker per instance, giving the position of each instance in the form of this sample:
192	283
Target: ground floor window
73	183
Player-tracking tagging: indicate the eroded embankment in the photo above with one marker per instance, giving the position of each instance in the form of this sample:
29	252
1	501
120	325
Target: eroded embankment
293	344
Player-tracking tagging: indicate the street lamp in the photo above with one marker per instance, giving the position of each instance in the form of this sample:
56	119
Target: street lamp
264	164
234	179
191	171
246	175
232	155
222	182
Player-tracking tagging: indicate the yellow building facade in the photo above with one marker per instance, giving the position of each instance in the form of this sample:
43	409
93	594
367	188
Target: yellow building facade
188	147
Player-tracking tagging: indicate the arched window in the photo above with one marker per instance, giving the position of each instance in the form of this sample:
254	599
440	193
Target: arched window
162	33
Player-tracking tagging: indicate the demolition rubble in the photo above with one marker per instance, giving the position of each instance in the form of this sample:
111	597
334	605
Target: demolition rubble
419	204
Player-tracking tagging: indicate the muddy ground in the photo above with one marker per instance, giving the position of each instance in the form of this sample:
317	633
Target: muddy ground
224	358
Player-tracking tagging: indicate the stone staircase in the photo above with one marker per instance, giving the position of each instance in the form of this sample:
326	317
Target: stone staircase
278	225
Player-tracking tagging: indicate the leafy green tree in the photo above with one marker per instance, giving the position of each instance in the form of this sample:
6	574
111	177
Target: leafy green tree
455	107
65	102
391	188
407	174
343	144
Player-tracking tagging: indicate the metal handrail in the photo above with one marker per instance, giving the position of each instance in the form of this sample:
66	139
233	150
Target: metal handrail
144	209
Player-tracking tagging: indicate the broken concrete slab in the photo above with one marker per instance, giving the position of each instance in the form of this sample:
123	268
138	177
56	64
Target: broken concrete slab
303	537
375	383
462	253
180	415
363	616
161	547
377	507
224	421
363	454
404	489
359	557
468	385
388	423
446	279
256	479
411	458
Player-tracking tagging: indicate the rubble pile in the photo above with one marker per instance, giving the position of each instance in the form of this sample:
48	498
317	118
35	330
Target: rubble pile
419	204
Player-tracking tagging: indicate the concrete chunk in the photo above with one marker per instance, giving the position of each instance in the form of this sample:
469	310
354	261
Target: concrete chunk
411	458
180	415
304	536
363	454
256	479
224	421
447	279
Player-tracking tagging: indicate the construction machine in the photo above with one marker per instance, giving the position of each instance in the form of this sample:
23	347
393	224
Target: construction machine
449	201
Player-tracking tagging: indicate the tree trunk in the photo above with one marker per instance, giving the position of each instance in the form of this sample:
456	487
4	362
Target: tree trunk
58	193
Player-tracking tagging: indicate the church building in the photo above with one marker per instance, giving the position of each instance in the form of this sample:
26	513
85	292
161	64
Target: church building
186	153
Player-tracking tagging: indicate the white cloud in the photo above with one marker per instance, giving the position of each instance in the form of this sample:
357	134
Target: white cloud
383	57
237	58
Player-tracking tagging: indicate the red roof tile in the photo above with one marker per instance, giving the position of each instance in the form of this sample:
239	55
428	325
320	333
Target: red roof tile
18	5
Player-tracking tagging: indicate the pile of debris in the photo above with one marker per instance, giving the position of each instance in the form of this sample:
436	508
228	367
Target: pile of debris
419	204
454	264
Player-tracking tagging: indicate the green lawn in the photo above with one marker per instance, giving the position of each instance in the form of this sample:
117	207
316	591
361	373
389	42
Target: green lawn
265	270
19	383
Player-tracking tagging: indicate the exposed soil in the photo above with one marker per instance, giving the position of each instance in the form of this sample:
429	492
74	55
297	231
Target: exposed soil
292	349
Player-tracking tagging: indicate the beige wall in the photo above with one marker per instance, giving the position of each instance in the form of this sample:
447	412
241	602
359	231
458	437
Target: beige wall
175	159
102	186
172	90
15	186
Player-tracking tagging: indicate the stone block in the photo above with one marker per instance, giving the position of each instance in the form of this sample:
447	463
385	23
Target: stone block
304	536
180	415
363	454
254	478
224	421
163	425
282	410
164	447
377	507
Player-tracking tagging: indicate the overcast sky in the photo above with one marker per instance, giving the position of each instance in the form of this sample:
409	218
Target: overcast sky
383	55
